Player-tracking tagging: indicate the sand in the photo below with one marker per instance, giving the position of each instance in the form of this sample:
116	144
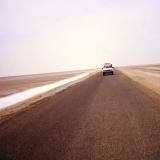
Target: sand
15	84
148	75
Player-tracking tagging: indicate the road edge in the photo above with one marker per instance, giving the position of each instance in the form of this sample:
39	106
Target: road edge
11	111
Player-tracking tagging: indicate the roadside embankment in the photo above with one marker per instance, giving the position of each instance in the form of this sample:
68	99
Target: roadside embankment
16	102
148	76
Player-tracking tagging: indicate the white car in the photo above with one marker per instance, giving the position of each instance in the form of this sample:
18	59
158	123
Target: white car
107	69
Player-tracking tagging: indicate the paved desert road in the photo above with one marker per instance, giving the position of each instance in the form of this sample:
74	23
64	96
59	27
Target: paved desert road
101	118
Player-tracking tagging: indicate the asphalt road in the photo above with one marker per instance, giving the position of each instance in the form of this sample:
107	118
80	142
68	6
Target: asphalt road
101	118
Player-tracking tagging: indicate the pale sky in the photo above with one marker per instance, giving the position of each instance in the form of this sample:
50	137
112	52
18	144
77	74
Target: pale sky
38	36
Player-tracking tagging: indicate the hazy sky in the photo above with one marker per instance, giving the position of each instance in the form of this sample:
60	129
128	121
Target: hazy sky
54	35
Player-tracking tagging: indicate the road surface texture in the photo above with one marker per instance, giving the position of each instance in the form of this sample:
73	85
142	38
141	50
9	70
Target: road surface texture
101	118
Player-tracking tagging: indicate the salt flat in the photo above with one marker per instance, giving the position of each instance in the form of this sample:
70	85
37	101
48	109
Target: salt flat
15	84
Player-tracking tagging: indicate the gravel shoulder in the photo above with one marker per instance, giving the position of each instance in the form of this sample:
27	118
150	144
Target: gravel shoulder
148	76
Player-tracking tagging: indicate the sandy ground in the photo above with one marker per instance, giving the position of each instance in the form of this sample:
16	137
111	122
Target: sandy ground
11	85
8	112
101	118
147	75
